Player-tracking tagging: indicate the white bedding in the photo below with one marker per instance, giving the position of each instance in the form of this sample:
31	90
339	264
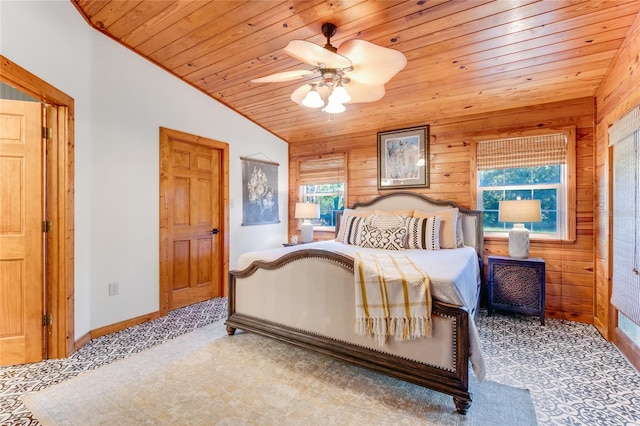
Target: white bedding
454	274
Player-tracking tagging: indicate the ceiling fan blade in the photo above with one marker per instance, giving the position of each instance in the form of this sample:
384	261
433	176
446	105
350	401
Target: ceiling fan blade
313	54
362	93
283	76
372	64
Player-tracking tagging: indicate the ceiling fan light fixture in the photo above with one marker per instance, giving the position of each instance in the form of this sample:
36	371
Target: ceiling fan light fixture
334	107
339	94
313	99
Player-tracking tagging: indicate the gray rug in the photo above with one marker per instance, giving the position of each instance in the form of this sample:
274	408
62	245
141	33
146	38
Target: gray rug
207	378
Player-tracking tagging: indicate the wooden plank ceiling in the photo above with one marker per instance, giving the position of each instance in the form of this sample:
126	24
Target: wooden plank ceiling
464	57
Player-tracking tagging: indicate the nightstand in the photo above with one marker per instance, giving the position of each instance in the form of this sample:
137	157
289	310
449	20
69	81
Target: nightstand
293	244
516	285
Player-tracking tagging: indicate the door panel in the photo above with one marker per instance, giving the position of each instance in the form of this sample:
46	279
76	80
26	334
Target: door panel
21	238
194	211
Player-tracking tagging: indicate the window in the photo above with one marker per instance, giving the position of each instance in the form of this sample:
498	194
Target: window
529	167
323	181
329	196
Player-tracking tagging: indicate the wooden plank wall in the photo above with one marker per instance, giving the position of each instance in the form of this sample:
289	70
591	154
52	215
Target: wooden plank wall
617	94
569	266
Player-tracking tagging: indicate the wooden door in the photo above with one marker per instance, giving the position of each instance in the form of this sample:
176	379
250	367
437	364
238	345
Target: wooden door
193	201
21	236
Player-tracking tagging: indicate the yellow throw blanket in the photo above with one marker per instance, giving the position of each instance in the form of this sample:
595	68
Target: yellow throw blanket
393	298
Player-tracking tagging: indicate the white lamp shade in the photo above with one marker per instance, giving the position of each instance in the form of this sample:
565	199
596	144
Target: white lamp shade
307	211
520	211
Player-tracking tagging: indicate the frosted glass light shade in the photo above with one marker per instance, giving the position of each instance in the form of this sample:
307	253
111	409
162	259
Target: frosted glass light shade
339	94
313	99
334	107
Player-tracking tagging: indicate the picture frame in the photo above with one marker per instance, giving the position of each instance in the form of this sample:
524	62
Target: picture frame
403	158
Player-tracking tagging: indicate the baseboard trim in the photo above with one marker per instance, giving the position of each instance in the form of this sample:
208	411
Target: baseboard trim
108	329
86	338
627	348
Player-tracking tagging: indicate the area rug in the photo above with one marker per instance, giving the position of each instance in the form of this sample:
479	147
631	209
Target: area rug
208	378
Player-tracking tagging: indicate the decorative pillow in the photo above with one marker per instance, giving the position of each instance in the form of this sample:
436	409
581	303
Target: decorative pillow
424	233
346	213
387	222
448	226
353	230
394	213
387	239
459	233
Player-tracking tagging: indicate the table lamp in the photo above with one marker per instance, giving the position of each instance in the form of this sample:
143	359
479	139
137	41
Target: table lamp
519	211
307	211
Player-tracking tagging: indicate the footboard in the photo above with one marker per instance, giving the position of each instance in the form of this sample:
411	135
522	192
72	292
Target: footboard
307	298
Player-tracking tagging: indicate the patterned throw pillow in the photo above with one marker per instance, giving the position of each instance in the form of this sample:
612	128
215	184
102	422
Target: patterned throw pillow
353	230
388	221
387	239
424	233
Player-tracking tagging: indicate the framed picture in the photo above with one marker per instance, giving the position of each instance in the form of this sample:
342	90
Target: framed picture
259	192
403	158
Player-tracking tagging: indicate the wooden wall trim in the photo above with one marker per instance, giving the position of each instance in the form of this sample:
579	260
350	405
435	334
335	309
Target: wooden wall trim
629	349
60	196
119	326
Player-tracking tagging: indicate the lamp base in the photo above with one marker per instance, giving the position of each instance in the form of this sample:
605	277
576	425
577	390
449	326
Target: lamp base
306	231
519	241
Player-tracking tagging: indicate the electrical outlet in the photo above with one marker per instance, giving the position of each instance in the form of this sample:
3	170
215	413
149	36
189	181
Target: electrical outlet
113	289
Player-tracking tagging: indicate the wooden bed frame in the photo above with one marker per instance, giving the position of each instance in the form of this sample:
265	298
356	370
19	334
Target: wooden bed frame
453	380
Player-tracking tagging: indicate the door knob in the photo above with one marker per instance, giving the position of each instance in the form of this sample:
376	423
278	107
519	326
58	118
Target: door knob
214	231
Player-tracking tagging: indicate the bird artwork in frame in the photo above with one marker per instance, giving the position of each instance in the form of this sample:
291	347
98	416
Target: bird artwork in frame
403	158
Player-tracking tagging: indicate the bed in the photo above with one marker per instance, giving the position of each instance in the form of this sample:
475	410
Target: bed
304	295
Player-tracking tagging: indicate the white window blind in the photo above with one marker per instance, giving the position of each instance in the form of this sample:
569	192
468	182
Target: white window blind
624	137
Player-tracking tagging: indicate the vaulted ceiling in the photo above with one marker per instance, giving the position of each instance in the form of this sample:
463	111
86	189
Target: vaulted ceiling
464	57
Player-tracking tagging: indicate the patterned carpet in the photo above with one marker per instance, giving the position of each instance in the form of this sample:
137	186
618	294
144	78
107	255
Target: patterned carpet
575	377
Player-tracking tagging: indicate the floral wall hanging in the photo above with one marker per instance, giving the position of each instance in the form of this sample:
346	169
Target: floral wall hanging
259	192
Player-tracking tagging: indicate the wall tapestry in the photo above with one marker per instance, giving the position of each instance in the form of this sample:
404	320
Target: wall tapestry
259	192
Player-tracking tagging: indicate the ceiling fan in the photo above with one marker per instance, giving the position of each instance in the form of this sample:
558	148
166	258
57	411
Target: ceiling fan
354	72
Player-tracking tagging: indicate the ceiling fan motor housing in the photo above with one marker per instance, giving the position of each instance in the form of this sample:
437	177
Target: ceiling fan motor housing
329	30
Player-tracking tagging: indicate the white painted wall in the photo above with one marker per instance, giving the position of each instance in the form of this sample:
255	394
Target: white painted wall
121	100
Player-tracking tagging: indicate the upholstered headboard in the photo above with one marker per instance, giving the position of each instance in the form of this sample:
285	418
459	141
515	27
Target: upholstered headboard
404	200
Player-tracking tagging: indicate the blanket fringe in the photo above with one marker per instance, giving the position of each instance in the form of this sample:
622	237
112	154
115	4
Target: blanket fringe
402	329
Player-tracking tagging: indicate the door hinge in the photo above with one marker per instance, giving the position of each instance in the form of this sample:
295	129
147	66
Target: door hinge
46	226
47	320
47	133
